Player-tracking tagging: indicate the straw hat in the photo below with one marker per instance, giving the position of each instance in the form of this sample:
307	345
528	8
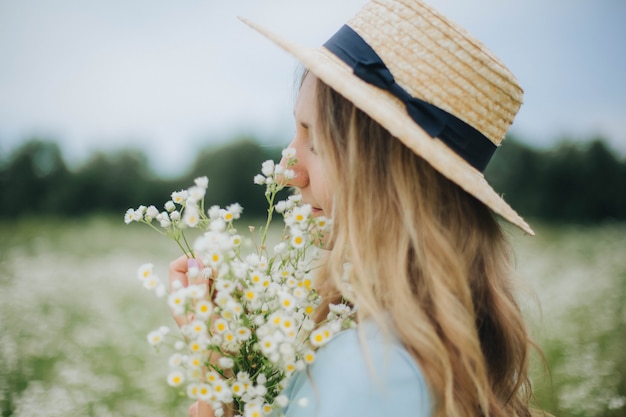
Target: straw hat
425	79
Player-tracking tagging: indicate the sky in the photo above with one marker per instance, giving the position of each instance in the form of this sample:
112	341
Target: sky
171	77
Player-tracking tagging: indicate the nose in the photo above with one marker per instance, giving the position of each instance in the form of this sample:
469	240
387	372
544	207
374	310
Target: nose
301	177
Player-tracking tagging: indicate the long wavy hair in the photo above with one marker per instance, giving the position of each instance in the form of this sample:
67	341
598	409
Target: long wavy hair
427	256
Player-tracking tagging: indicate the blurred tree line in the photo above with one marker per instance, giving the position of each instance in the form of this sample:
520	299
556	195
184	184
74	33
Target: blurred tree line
571	182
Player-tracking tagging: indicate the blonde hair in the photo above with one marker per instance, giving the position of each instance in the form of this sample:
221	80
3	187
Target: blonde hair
427	256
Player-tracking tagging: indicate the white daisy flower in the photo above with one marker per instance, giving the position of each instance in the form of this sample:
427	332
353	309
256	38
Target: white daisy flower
268	345
175	378
151	212
169	206
145	271
202	182
281	206
225	362
204	309
155	338
205	392
288	153
176	301
220	326
236	209
281	401
179	197
298	240
289	174
128	216
195	194
267	168
259	179
191	217
197	328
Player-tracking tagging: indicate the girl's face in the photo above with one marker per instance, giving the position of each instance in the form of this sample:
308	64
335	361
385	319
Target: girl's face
310	178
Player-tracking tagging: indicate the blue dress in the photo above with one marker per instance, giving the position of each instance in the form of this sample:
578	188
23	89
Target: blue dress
347	381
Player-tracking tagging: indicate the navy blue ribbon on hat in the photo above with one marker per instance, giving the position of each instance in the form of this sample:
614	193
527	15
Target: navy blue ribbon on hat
462	138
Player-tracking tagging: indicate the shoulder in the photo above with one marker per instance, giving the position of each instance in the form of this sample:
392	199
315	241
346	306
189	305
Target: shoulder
361	375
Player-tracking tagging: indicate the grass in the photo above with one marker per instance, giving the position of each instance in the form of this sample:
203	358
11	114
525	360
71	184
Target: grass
73	318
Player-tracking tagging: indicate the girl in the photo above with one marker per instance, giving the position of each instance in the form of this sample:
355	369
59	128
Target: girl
396	117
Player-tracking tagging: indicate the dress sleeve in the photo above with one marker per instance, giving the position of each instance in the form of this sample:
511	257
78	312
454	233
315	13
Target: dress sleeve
348	381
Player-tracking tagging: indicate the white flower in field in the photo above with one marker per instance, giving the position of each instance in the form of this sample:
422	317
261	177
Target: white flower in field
281	400
191	217
278	170
253	410
175	378
289	174
287	301
136	215
179	345
202	182
259	179
280	248
155	338
128	216
180	197
268	345
196	291
235	240
250	295
309	356
299	293
151	282
195	361
145	271
195	194
224	288
220	325
176	301
288	153
214	212
319	336
221	390
205	392
227	216
212	377
308	325
225	362
169	206
218	225
175	360
197	328
165	223
281	206
238	388
175	216
160	291
297	240
192	390
267	168
151	212
204	309
236	209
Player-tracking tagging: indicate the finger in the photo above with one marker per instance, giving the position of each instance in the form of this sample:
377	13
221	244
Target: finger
193	410
178	273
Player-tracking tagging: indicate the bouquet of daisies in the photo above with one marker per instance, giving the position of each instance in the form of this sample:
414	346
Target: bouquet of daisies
251	327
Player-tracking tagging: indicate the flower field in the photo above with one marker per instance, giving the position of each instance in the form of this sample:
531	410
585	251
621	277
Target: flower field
74	319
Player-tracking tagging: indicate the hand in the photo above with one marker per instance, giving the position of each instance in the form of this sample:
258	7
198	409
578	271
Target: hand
179	269
201	409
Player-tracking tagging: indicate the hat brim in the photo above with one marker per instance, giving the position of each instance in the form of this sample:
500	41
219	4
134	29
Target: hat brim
391	114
